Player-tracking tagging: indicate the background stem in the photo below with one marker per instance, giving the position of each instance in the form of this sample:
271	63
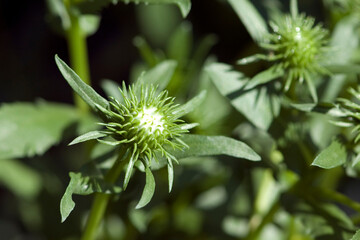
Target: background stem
76	39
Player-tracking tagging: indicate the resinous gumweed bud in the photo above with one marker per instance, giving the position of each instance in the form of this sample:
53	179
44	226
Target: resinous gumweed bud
145	122
298	46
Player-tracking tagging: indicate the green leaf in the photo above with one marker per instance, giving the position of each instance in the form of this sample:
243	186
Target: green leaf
356	236
28	129
344	68
215	145
190	105
58	15
180	44
333	156
250	17
111	89
89	23
83	184
265	77
86	92
260	105
160	75
88	136
20	179
148	190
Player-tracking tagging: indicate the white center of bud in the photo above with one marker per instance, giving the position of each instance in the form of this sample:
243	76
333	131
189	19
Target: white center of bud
150	120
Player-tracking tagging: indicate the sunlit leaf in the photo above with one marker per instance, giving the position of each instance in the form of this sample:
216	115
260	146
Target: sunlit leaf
28	129
260	105
215	145
86	92
333	156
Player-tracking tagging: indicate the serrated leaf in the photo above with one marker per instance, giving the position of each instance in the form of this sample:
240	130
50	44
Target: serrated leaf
86	92
160	75
260	106
83	184
356	236
215	145
148	191
28	129
87	136
332	156
251	18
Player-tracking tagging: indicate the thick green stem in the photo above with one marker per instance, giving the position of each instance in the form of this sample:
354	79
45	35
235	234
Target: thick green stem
76	39
101	200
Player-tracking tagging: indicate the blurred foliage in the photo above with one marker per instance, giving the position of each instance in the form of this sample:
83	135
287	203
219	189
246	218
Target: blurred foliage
304	188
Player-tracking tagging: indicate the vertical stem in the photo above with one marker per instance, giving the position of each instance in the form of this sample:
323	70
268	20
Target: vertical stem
101	200
76	39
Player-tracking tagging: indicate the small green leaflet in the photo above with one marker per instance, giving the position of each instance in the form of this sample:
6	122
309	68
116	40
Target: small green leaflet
83	184
251	18
29	129
332	156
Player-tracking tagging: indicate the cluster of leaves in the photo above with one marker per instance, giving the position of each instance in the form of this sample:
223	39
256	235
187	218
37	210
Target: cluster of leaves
307	138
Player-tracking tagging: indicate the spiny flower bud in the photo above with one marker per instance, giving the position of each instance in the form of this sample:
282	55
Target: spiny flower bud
298	46
146	122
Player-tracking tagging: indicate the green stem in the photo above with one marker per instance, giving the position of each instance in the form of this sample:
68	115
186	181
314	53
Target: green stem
265	220
337	197
76	39
101	200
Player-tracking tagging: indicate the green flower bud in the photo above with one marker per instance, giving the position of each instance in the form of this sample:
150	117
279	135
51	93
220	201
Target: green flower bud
298	46
146	123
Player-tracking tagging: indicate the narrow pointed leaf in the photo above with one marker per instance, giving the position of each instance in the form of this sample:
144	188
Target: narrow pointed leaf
265	77
88	136
251	18
86	92
160	75
149	189
128	172
332	156
215	145
170	169
190	105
